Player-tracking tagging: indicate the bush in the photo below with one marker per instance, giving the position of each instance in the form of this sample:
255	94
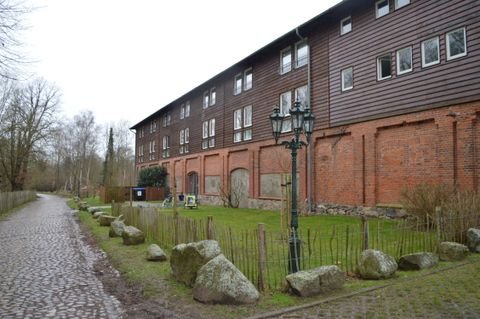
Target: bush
459	210
421	200
152	176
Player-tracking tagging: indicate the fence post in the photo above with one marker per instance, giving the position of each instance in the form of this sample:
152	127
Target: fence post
262	258
438	213
365	233
210	227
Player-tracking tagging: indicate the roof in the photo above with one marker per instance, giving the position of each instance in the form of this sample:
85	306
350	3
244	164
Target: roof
293	32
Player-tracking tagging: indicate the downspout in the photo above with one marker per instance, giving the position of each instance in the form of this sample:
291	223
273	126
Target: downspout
310	177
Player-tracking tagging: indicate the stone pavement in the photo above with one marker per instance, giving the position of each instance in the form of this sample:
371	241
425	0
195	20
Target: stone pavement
46	269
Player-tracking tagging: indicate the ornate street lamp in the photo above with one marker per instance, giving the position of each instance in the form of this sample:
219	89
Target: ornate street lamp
302	121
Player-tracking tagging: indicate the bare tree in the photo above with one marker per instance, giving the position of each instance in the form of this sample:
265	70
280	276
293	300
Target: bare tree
28	120
11	15
124	164
83	149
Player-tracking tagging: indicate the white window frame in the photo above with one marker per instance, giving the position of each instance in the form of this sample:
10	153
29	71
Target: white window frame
205	129
213	96
379	67
424	64
182	111
208	133
286	113
247	116
166	146
237	119
343	30
184	140
182	137
303	102
397	6
377	12
399	72
237	88
206	99
343	73
285	68
299	63
187	109
247	122
211	133
247	85
447	41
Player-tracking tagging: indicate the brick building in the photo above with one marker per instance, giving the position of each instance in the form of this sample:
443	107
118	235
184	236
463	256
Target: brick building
394	86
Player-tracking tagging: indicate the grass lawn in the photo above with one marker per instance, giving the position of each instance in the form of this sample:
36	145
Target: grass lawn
157	282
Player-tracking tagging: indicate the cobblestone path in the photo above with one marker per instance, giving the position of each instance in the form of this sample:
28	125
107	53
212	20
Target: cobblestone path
46	270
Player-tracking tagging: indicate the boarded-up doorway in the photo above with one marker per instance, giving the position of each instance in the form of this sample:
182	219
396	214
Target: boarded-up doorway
239	187
192	183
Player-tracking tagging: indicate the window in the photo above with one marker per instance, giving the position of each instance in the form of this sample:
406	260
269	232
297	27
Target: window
187	109
301	96
456	44
166	146
208	134
152	149
154	126
401	3
347	79
301	49
242	122
382	7
206	98
247	79
140	153
285	105
211	140
182	111
166	119
384	67
430	52
141	132
237	86
404	60
184	140
213	96
285	60
346	25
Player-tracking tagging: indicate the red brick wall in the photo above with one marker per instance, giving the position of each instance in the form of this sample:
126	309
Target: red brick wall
365	163
334	170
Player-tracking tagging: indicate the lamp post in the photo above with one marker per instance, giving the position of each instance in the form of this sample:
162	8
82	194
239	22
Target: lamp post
302	121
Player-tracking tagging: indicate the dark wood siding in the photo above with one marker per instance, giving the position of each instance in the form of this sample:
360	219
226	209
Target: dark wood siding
444	84
447	83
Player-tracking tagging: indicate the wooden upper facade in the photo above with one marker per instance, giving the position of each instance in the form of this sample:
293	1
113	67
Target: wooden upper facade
368	60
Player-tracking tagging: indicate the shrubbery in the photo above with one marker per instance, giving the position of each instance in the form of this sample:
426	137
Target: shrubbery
458	210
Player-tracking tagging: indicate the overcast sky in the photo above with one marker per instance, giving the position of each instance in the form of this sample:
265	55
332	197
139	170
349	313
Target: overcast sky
126	59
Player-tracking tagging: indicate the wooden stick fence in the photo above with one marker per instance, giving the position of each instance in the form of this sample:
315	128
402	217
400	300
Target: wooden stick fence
262	255
9	200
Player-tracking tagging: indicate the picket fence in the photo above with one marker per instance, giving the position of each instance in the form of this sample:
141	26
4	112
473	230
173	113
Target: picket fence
9	200
262	255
